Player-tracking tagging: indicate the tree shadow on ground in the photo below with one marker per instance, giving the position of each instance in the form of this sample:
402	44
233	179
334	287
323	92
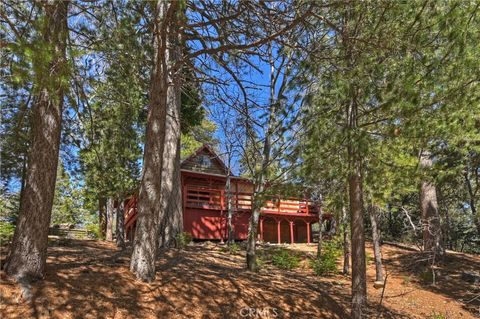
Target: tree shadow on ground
449	279
88	279
84	279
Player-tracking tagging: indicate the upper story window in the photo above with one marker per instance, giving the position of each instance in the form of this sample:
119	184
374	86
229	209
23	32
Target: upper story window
204	161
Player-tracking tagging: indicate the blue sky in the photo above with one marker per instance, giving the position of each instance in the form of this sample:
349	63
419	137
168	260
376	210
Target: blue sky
257	91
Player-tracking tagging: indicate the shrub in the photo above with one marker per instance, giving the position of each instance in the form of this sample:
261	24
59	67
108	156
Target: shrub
437	315
232	249
260	261
369	258
93	231
6	232
427	276
406	279
183	239
328	261
283	258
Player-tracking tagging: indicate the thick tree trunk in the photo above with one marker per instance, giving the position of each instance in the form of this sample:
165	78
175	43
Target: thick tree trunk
110	208
150	200
28	252
359	270
102	216
120	226
377	250
429	206
443	208
346	243
355	157
172	223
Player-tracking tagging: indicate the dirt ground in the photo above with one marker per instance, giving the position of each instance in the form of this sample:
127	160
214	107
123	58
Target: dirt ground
90	279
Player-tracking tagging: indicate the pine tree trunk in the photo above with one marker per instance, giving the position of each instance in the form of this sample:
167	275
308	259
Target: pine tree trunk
429	206
377	250
28	252
150	201
110	208
228	188
172	222
359	269
473	206
443	207
120	226
102	216
346	243
253	228
257	198
320	234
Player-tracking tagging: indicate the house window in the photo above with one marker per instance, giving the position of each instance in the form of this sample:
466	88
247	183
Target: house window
204	161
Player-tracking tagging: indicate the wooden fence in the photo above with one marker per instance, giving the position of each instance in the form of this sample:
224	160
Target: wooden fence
68	233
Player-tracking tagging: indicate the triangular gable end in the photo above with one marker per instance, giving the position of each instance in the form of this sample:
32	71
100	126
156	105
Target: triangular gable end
205	160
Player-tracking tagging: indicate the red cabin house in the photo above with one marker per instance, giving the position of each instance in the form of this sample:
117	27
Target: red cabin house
204	176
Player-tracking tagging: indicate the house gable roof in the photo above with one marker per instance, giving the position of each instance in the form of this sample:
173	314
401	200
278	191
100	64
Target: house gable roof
206	160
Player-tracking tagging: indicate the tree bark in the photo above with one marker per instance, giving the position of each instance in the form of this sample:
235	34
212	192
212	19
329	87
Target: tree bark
320	234
253	225
472	203
261	175
354	180
377	250
172	223
120	226
346	243
429	206
151	204
28	252
228	188
359	269
443	207
102	216
110	208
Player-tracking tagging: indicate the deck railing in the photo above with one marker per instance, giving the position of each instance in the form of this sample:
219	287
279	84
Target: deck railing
217	199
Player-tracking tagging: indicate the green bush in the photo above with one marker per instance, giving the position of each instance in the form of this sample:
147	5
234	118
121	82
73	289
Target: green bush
232	249
283	258
6	232
260	261
328	261
93	231
183	239
437	315
427	276
369	258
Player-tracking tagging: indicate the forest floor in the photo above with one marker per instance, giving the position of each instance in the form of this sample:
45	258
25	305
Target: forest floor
91	279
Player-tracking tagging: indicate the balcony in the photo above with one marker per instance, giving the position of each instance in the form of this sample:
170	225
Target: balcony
216	199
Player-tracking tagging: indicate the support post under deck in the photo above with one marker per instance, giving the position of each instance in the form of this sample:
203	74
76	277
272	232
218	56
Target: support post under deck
278	232
308	233
291	233
261	229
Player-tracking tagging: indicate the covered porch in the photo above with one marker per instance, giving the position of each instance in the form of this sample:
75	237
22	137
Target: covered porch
281	229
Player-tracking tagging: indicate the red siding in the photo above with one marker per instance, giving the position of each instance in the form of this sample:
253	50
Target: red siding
241	221
204	204
212	224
